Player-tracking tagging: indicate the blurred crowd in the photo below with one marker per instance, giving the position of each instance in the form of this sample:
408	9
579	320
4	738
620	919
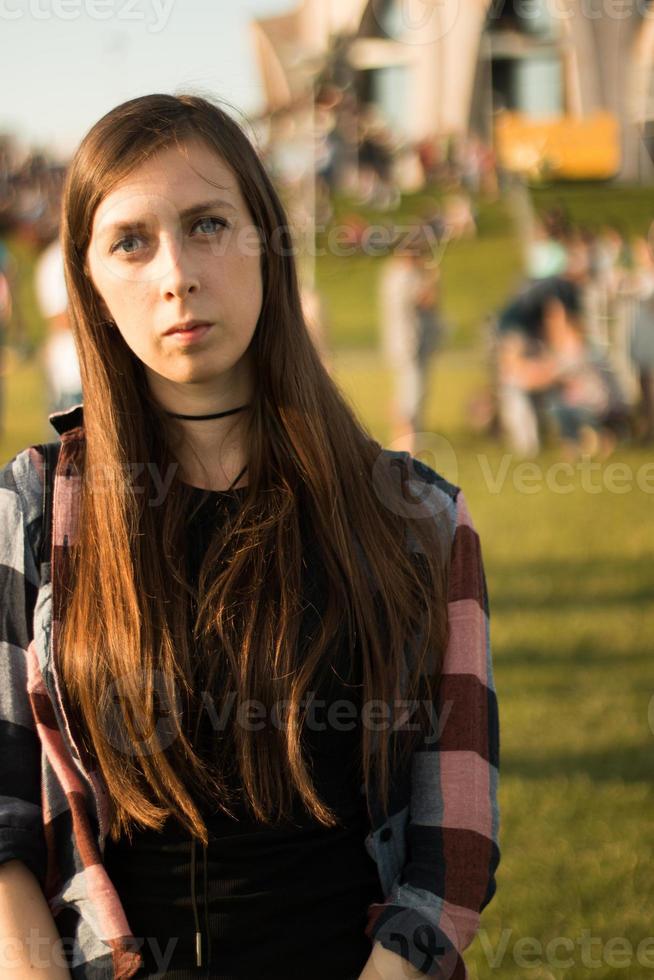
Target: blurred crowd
572	354
352	150
31	184
30	191
357	151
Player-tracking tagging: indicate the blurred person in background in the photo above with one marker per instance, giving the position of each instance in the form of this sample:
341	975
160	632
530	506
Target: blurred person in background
584	267
377	147
459	216
577	268
335	150
5	317
546	255
568	371
516	338
12	322
641	284
60	361
411	330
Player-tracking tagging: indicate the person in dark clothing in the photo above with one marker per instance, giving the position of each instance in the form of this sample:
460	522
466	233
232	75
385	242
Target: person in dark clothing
547	360
225	669
519	334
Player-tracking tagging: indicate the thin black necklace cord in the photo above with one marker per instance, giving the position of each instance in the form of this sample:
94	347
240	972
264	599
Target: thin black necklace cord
206	904
217	415
236	479
198	934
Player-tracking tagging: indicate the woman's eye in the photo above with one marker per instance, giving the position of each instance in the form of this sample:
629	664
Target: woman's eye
125	241
211	224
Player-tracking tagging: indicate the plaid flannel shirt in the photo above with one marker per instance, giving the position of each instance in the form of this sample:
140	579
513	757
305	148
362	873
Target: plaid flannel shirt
436	850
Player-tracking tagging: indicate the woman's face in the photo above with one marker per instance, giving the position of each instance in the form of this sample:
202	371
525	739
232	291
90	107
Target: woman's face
167	247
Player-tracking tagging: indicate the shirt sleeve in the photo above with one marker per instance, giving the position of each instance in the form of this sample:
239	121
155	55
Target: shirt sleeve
21	825
433	911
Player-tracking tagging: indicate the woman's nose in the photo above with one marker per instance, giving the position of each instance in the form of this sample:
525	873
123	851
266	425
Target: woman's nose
179	274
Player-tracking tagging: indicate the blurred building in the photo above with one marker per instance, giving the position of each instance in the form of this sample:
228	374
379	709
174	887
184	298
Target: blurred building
553	85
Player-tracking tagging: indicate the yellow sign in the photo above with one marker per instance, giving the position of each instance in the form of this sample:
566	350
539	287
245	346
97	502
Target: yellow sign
563	146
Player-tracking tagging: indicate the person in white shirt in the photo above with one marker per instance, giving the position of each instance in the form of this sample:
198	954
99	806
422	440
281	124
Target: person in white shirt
60	360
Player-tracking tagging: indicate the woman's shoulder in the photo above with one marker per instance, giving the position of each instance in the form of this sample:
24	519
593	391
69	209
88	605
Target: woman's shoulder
21	490
419	471
412	488
23	474
21	509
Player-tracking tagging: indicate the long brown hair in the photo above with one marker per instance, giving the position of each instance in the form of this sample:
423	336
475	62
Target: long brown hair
127	617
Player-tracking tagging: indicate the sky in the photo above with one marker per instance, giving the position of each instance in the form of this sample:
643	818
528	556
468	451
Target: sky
64	63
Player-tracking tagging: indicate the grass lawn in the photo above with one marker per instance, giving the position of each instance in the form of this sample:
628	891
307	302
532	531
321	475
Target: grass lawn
571	580
594	204
568	556
477	275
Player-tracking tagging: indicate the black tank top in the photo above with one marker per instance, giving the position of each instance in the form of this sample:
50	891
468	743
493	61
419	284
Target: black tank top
283	901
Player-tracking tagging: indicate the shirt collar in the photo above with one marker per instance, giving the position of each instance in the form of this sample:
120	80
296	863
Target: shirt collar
69	418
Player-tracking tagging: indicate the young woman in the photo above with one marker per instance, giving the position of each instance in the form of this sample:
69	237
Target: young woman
251	627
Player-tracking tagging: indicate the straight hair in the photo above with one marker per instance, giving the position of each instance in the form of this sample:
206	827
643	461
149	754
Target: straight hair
128	616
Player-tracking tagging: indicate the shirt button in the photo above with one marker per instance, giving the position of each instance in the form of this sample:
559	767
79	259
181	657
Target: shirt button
386	834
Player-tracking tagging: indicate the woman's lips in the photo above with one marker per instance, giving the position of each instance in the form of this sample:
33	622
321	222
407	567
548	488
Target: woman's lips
191	336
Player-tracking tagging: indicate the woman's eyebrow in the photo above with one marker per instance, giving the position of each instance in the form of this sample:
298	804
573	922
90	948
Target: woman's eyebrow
137	225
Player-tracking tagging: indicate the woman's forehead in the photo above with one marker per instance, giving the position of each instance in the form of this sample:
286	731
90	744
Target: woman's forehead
170	182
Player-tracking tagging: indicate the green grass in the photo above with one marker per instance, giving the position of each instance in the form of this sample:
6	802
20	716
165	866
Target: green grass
571	580
24	418
596	204
24	256
477	275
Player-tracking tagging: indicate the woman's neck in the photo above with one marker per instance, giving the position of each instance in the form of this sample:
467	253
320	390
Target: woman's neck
212	452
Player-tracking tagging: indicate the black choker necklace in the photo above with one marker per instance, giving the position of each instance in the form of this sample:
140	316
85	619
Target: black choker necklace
218	415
